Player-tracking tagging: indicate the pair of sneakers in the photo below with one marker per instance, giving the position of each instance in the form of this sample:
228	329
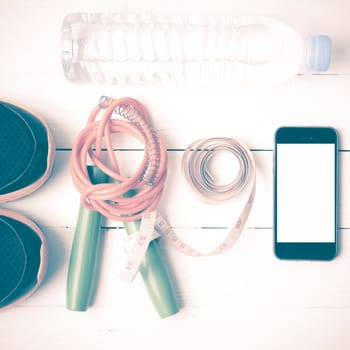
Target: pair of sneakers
26	159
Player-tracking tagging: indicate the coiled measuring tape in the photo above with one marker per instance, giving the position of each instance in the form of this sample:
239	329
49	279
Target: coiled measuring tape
195	163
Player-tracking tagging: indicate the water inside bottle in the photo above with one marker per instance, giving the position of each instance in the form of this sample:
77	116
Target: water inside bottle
123	50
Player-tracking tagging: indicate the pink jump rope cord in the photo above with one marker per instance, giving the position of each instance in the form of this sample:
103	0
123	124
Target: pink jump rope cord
149	179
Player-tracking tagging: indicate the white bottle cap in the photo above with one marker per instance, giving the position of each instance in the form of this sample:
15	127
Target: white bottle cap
318	56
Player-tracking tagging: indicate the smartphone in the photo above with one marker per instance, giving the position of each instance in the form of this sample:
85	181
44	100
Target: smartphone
306	193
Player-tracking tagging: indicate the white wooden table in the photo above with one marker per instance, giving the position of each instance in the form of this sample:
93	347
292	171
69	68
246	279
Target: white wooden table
243	299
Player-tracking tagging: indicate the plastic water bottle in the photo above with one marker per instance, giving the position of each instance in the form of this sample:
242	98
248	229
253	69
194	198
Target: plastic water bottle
114	48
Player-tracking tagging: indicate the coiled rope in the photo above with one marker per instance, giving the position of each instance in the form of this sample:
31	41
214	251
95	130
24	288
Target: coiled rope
111	199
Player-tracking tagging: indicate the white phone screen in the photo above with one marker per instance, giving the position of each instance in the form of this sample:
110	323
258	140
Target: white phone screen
305	193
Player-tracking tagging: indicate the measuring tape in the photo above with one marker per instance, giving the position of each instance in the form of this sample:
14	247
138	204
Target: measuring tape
195	164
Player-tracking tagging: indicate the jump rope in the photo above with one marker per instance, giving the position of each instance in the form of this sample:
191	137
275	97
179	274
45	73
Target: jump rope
105	191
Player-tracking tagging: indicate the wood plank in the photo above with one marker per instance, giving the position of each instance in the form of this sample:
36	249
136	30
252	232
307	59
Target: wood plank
62	198
248	267
248	290
253	329
183	115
